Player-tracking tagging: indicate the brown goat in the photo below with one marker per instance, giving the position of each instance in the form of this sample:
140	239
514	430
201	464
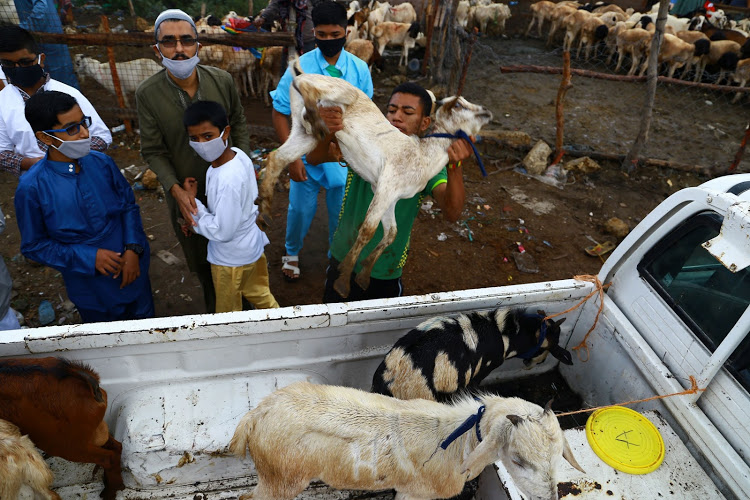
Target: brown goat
365	50
741	76
558	14
60	406
540	12
270	71
21	464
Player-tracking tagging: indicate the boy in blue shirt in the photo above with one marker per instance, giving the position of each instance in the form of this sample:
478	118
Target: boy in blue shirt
329	22
77	214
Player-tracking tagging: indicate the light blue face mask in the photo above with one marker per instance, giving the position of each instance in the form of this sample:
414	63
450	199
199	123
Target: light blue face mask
180	68
73	149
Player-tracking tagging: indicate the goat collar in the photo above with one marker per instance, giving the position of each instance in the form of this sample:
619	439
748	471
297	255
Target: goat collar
460	134
542	335
472	421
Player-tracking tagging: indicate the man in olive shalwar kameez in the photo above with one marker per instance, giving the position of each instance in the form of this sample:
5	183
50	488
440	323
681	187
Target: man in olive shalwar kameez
162	100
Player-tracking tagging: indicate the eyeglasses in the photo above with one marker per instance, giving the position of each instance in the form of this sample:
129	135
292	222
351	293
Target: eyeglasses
170	43
76	127
21	63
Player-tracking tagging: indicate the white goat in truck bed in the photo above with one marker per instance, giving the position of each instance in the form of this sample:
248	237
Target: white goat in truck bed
351	439
396	165
22	465
131	73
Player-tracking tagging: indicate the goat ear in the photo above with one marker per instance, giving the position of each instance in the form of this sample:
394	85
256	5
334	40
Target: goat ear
562	354
297	67
515	419
560	322
541	313
568	455
484	454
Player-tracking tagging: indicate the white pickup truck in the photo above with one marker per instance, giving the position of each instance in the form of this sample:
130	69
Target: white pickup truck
677	307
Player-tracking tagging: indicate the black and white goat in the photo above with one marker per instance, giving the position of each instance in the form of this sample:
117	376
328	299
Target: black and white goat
443	355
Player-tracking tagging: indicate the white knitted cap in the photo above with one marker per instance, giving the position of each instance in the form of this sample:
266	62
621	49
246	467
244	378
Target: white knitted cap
173	14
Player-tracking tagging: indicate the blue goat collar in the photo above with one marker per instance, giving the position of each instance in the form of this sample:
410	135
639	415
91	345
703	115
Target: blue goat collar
542	335
472	421
460	134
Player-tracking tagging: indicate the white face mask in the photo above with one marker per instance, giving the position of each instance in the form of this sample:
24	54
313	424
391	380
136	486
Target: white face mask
180	68
210	150
73	149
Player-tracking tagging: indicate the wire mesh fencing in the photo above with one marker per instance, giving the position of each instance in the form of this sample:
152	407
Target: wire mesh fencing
691	126
695	126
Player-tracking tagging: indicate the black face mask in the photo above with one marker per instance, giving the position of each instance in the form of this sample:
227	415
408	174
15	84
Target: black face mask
330	48
24	77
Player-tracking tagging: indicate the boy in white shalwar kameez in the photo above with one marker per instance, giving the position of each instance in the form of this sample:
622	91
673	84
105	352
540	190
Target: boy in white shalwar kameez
235	242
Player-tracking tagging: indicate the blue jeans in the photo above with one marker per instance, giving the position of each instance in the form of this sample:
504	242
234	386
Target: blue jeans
303	203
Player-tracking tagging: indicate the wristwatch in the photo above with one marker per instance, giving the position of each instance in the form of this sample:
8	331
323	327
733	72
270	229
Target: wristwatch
137	249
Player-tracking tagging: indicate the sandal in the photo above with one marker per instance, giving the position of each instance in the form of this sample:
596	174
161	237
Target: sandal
600	249
289	262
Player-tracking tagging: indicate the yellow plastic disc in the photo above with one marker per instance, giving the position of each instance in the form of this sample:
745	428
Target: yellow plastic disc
625	440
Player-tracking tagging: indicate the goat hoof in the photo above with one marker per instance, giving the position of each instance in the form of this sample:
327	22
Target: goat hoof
363	280
342	286
265	220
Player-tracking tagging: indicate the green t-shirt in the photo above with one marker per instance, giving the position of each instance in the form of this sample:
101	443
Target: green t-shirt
357	197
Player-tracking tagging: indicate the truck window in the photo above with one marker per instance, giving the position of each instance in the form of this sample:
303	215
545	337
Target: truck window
708	297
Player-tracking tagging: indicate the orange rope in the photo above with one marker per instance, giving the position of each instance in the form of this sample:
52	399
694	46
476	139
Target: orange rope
693	389
591	278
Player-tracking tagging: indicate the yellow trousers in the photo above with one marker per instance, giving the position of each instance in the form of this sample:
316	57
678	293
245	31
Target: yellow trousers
250	281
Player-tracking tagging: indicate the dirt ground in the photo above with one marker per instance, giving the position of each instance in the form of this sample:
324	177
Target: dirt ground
502	211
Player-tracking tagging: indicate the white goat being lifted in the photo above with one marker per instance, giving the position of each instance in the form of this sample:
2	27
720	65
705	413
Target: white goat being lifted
351	439
396	165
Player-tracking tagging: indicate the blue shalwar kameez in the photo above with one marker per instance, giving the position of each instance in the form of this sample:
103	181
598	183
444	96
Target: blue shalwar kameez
65	217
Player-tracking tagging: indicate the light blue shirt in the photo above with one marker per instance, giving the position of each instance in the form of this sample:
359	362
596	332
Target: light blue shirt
354	70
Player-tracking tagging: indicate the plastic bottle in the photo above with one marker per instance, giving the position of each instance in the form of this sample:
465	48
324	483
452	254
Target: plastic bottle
46	313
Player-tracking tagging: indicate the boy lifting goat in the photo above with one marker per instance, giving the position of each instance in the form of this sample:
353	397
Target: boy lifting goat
396	166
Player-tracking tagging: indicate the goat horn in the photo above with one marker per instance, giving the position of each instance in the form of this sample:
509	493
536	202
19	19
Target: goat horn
568	455
548	406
